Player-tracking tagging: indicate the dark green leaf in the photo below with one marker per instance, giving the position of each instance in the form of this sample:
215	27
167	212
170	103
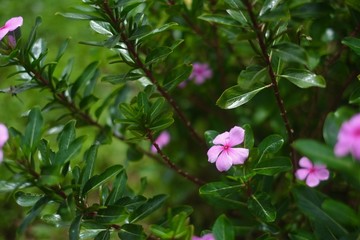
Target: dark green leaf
6	186
64	156
355	96
132	232
260	205
223	229
103	235
304	78
89	72
210	135
79	16
235	96
268	6
157	54
271	144
88	169
355	4
54	220
273	166
101	27
147	208
353	43
122	78
74	230
118	189
176	76
239	16
341	212
219	19
331	129
237	4
111	214
290	52
156	31
309	202
67	135
34	212
249	137
27	199
133	153
33	129
97	180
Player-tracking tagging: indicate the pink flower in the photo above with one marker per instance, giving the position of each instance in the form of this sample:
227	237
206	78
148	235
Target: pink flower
224	153
348	139
200	72
4	136
208	236
313	173
10	25
162	140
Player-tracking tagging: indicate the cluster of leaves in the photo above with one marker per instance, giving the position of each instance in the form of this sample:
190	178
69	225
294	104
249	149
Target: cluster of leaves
279	52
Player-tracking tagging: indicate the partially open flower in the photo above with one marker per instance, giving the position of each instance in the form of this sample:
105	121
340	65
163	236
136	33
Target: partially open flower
208	236
200	72
10	25
4	136
162	140
313	173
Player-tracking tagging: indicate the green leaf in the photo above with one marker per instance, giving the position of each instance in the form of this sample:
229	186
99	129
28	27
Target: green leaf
133	153
268	6
33	129
239	16
74	230
88	169
79	16
156	31
111	214
157	54
290	52
353	43
147	208
7	186
162	232
235	96
122	78
223	229
219	19
252	76
89	72
260	205
223	194
34	212
341	212
355	96
176	76
355	4
271	144
132	232
237	4
101	27
249	137
27	199
331	129
309	202
304	78
67	135
210	135
97	180
64	156
273	166
54	220
118	189
103	235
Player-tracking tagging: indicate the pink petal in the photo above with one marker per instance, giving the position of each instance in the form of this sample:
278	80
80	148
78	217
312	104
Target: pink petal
221	138
238	155
208	236
14	23
162	140
3	32
342	149
195	238
223	163
214	152
236	136
4	135
305	163
312	180
301	173
322	174
356	150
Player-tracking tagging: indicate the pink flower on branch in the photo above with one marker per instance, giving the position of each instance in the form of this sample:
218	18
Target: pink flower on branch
313	173
162	140
10	25
4	136
348	139
200	72
208	236
224	153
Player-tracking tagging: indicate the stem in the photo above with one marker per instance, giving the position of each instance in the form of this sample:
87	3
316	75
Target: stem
266	57
168	162
148	73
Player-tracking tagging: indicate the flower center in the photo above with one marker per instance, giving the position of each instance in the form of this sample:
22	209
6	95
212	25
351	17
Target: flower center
226	147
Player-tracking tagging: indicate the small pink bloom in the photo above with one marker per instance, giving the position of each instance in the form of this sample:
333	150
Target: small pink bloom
10	25
162	140
200	72
4	136
224	152
313	173
348	139
208	236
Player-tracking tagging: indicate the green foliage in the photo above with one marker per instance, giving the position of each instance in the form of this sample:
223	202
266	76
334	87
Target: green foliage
80	161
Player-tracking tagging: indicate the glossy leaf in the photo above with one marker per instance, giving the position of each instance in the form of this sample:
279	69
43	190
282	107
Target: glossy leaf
268	6
33	129
309	202
27	199
147	208
290	52
304	78
219	19
176	76
74	230
98	180
343	213
355	96
88	73
118	189
65	155
89	159
157	54
353	43
210	135
132	232
235	96
157	30
331	129
111	214
223	229
238	16
249	137
34	212
237	4
271	144
260	205
67	135
273	166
